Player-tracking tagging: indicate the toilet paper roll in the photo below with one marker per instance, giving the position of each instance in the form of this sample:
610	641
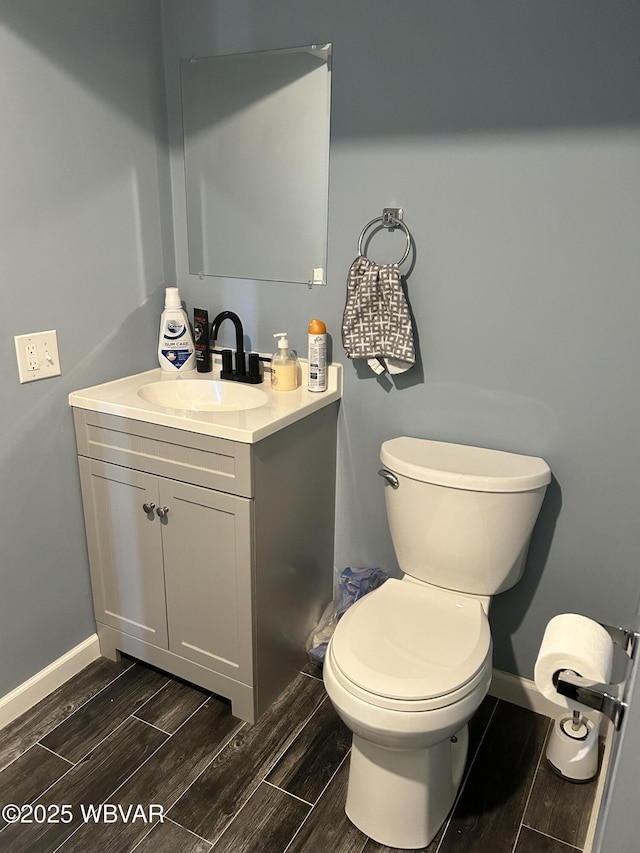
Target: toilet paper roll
574	642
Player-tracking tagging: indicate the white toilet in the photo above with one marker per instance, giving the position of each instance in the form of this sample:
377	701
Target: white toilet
410	663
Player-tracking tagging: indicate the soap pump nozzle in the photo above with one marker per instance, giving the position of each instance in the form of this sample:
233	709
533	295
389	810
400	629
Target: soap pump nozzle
283	343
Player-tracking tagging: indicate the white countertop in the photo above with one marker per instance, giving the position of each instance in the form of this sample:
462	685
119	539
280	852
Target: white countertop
282	408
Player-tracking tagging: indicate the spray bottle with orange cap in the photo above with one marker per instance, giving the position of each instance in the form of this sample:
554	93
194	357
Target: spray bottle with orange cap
317	356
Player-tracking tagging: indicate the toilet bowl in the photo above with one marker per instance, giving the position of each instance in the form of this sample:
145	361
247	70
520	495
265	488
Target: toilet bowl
409	664
407	687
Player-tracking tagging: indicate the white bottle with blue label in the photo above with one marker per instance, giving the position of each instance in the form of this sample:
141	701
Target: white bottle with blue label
176	351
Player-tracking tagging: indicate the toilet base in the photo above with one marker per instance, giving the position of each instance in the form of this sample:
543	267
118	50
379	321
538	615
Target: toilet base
401	798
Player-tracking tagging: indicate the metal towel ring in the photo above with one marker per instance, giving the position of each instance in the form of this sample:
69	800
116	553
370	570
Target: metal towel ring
388	220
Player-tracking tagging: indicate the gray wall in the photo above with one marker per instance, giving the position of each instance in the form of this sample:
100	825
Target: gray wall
83	170
510	134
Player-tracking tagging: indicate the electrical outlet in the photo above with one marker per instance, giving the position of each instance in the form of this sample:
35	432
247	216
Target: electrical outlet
37	356
33	362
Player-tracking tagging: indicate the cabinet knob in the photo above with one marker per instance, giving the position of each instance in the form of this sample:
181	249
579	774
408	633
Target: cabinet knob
148	508
162	511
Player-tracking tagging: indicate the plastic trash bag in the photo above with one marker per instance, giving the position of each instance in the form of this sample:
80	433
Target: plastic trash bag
354	583
318	640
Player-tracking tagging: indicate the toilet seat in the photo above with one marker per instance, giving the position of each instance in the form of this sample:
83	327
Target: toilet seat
408	647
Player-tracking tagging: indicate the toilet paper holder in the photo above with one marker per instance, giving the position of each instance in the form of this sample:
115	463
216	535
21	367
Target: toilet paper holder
606	698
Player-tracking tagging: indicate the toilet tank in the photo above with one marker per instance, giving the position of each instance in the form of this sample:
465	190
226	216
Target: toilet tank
461	517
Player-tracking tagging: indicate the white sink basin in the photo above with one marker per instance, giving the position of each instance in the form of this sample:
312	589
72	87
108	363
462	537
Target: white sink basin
203	395
203	403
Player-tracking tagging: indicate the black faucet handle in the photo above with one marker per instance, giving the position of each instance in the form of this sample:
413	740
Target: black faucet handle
241	364
227	366
254	365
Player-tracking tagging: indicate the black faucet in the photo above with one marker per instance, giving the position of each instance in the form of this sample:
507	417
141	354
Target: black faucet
240	373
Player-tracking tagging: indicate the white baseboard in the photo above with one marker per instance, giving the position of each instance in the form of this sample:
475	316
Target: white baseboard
504	685
522	692
29	693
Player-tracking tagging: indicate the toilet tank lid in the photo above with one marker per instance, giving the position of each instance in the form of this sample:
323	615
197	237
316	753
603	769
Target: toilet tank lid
460	466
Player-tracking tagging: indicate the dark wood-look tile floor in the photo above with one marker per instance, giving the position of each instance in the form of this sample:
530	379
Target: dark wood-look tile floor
142	743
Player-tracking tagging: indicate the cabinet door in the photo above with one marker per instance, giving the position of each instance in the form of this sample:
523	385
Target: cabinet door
207	538
125	549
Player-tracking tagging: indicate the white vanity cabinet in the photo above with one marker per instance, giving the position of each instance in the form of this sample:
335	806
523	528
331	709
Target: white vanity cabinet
210	558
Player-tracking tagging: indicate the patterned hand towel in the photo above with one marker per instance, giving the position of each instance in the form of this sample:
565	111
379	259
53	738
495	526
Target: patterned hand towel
376	323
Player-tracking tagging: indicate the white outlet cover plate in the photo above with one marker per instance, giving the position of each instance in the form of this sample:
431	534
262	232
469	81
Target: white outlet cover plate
47	357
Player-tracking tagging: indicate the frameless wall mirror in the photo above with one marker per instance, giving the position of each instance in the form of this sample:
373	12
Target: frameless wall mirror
256	148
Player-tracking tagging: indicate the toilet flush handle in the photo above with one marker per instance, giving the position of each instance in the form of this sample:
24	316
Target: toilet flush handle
389	477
